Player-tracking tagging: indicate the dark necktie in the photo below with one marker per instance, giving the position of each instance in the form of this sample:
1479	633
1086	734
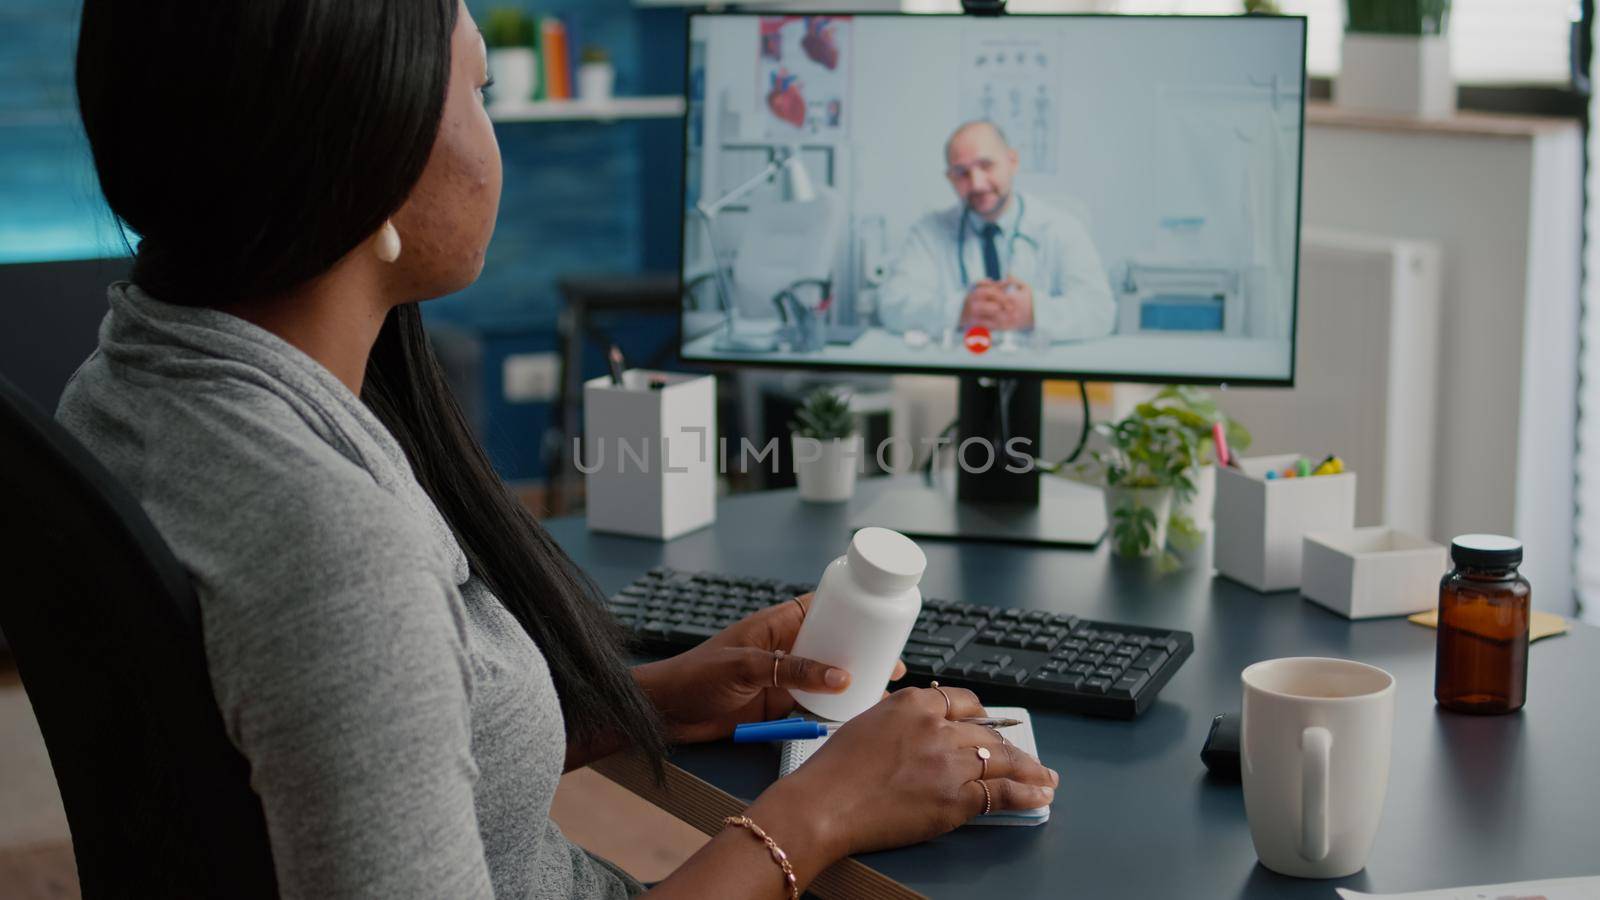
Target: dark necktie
991	251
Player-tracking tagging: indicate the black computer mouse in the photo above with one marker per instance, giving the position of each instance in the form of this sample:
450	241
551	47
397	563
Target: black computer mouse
1221	752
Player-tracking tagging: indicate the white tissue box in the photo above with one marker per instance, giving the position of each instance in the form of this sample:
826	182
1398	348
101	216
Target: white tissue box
1259	523
1364	573
650	455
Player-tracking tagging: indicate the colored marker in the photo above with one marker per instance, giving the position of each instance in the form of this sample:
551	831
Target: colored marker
1219	439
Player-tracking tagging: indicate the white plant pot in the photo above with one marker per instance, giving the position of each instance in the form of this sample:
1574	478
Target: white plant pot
515	71
1157	500
826	470
596	81
1199	507
1397	74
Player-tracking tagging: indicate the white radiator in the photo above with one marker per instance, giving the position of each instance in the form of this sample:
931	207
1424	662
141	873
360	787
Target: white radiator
1366	364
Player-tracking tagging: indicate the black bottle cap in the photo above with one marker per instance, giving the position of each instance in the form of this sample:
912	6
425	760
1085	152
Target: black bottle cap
1486	551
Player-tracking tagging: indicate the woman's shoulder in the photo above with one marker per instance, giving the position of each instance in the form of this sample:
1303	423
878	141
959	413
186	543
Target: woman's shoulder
247	486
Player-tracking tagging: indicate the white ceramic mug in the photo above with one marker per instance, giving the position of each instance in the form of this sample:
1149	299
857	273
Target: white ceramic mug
1314	754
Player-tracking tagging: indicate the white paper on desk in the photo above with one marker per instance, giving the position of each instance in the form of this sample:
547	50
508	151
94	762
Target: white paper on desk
1021	735
1551	889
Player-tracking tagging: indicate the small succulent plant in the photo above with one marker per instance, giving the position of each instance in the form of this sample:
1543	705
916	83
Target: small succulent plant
825	415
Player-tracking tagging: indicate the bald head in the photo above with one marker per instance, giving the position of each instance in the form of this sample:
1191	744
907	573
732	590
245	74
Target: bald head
981	165
976	130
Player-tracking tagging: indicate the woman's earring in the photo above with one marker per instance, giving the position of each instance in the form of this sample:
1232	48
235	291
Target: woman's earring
388	242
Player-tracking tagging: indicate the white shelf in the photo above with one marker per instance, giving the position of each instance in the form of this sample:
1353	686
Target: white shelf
573	110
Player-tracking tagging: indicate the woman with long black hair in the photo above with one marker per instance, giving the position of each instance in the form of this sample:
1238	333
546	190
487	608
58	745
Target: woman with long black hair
403	655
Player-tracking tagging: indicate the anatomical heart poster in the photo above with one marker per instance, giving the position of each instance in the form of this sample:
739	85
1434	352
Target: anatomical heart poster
804	77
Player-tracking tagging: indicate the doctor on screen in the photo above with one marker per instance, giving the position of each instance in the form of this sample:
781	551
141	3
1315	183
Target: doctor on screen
1001	259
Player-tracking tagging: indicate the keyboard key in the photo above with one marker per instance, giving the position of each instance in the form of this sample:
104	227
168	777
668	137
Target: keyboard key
1017	639
944	653
1035	615
1127	651
1012	675
1083	669
688	631
1096	685
1128	685
1102	646
1073	644
1042	642
1136	640
959	667
1109	672
1064	619
1150	660
1091	659
991	636
1056	666
996	659
956	636
983	671
1065	653
975	610
1009	615
1066	680
923	665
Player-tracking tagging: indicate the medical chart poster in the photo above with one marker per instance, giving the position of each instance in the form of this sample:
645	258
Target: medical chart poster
1012	82
803	77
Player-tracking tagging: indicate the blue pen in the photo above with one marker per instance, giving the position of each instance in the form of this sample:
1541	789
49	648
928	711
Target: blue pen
795	729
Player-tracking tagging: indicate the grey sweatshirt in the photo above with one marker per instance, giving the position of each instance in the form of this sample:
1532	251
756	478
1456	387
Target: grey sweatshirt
402	729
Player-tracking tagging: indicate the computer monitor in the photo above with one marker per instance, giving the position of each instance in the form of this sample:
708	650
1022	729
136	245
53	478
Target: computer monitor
1058	196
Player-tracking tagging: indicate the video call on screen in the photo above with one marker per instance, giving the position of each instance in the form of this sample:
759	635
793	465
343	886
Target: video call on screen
1092	195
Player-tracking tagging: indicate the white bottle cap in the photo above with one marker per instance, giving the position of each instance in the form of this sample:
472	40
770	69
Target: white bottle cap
884	561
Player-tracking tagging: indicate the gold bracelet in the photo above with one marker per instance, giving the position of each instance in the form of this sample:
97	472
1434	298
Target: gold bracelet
778	856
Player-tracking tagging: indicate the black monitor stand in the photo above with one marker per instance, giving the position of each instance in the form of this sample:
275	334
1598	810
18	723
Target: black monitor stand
999	495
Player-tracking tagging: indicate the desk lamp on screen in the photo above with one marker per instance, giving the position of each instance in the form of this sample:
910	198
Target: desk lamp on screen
1006	199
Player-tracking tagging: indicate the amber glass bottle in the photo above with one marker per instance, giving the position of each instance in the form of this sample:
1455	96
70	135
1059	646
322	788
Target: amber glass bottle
1484	605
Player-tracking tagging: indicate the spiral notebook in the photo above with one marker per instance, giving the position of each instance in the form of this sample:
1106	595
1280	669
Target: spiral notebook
794	753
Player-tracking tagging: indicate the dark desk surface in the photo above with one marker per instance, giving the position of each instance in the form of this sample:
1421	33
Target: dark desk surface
1470	801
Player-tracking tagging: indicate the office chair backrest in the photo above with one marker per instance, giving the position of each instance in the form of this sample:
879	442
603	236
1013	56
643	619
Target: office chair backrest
782	243
105	628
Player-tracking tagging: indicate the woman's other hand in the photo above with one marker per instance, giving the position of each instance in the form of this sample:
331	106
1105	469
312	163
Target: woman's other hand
903	772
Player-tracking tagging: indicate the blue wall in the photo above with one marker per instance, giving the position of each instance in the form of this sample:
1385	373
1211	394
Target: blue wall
579	197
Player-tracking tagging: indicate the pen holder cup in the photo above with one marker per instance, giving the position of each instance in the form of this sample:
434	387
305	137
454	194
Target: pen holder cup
1260	522
649	453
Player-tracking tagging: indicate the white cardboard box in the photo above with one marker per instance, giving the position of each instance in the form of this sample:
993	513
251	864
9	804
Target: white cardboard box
1260	522
1364	573
650	456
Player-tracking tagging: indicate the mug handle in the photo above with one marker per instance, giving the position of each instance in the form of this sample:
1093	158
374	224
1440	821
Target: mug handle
1315	744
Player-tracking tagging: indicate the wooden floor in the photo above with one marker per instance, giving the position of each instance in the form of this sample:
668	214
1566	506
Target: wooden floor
36	851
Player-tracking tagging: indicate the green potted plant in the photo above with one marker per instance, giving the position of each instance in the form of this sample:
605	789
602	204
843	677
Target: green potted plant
1396	58
597	77
1146	465
509	32
826	447
1196	411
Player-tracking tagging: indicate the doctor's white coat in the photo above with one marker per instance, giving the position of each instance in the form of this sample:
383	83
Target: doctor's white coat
1046	248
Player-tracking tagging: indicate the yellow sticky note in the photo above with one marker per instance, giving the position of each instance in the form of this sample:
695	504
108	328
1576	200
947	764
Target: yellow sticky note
1540	624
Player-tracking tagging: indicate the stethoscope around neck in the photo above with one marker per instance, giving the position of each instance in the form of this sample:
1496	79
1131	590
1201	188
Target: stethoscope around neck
1011	243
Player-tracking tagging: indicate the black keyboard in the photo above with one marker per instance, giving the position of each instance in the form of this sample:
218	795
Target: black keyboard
1006	656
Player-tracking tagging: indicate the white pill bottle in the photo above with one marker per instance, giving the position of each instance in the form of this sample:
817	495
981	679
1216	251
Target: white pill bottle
863	611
